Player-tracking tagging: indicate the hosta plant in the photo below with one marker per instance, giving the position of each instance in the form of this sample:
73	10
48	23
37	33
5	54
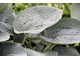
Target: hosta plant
39	31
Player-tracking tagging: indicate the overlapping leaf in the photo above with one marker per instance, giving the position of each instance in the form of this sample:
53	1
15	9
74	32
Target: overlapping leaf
75	11
36	19
66	31
66	51
12	49
8	16
6	28
4	36
6	21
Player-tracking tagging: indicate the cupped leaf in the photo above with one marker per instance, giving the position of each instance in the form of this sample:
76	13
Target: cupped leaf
6	28
66	51
75	11
36	19
4	36
12	49
66	31
8	16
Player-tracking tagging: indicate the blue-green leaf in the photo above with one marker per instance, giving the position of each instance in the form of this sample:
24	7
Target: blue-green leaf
4	36
36	19
6	28
8	16
11	49
66	31
66	51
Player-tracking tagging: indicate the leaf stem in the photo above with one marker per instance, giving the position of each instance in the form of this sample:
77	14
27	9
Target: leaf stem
49	47
25	38
67	45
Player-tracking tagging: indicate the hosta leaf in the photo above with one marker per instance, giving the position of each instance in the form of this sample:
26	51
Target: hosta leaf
66	51
51	53
75	11
6	28
4	36
8	16
33	53
66	31
36	19
12	49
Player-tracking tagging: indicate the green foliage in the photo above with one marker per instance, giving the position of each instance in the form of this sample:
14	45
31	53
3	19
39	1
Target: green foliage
39	29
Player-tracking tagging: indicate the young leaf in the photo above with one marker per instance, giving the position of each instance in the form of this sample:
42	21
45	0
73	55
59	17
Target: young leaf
4	36
66	51
11	49
6	28
8	16
36	19
66	31
75	11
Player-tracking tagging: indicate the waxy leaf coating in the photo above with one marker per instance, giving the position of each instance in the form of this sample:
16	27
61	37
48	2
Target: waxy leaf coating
4	36
36	19
12	49
66	31
66	51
